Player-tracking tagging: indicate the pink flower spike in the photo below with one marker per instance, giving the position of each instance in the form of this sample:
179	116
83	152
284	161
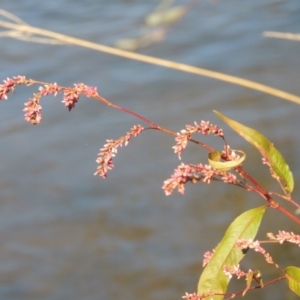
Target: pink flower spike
22	80
79	87
255	245
110	149
234	270
50	89
71	97
90	91
136	130
181	139
229	178
180	176
6	88
290	237
193	296
33	110
207	257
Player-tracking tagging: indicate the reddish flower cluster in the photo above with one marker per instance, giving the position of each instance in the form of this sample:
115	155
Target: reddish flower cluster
71	96
255	245
6	88
207	257
245	244
194	173
9	84
110	149
290	237
236	271
33	108
50	89
205	127
181	141
184	135
193	296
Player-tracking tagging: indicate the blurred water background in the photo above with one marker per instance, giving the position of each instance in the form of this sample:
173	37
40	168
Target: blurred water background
66	234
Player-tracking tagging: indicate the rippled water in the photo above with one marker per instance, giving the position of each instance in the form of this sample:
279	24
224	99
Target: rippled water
66	234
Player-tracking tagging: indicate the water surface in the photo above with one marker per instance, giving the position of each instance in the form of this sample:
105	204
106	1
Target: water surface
66	234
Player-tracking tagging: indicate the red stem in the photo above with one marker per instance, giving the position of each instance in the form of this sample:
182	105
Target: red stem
260	190
267	197
255	287
154	125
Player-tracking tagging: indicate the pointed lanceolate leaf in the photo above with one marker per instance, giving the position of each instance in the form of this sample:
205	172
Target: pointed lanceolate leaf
227	254
293	277
267	150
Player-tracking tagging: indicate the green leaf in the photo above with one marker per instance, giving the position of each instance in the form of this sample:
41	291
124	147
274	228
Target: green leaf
293	277
214	161
267	150
227	254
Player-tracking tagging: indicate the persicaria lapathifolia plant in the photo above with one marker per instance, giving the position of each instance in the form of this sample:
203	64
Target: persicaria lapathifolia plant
225	165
